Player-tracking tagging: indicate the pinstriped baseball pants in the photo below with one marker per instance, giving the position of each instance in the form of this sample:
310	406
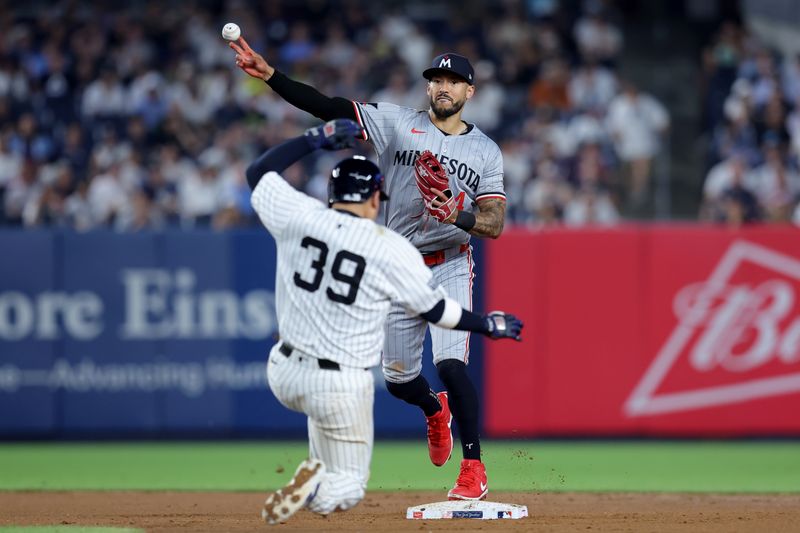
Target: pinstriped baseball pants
339	405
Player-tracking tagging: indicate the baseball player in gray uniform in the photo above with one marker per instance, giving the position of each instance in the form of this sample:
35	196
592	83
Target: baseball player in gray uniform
439	226
338	275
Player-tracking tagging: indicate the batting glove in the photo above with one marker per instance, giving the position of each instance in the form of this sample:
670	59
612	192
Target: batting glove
336	134
503	325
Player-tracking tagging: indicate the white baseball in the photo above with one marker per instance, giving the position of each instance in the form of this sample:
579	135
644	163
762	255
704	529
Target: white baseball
231	32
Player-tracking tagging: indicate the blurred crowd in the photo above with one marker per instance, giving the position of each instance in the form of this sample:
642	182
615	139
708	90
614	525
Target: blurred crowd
133	115
753	106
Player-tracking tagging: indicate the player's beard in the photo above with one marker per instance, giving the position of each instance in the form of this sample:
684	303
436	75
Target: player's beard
443	112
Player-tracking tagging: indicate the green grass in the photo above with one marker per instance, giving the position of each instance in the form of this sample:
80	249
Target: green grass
512	465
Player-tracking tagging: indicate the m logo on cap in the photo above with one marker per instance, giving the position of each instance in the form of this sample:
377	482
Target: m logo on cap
449	62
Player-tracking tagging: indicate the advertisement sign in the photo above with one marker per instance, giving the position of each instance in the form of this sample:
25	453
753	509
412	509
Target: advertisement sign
149	334
666	331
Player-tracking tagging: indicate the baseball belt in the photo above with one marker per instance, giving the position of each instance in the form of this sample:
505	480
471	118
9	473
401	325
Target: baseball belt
324	364
440	256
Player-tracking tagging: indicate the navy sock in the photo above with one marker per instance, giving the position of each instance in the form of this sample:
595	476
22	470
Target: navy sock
416	392
463	400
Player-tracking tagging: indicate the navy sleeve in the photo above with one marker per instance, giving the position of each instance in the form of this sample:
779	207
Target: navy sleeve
277	159
310	100
469	321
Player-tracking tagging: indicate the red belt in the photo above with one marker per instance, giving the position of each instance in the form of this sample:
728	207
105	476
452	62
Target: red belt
438	257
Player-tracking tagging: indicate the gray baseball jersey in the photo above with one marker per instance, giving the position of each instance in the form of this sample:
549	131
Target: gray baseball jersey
336	278
473	162
474	166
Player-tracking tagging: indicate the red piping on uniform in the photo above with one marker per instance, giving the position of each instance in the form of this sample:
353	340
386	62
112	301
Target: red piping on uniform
360	122
466	348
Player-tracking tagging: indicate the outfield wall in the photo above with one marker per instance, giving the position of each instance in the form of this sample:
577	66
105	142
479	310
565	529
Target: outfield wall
667	331
147	335
663	331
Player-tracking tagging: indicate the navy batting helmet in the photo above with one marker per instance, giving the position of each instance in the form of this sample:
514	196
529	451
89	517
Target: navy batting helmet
354	180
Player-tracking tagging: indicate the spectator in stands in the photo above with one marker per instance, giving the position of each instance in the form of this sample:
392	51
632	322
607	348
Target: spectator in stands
517	167
720	178
10	167
14	83
486	104
637	122
720	66
591	205
48	206
21	189
550	89
790	77
107	196
729	195
78	210
130	98
775	184
152	106
58	88
75	149
104	98
163	196
770	120
299	48
398	90
548	194
793	130
29	141
337	51
739	205
589	168
759	128
736	133
592	87
201	195
140	214
598	39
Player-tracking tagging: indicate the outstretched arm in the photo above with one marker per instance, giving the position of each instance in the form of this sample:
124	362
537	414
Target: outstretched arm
333	135
277	159
495	325
298	94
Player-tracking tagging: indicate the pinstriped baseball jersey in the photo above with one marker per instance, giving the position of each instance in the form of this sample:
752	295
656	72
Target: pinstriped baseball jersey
473	162
337	275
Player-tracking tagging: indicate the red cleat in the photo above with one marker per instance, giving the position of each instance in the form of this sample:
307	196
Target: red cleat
440	436
471	483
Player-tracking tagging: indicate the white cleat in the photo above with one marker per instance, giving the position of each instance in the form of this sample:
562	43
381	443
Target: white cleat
285	502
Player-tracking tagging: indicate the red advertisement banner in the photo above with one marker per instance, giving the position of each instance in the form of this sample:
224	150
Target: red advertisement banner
668	331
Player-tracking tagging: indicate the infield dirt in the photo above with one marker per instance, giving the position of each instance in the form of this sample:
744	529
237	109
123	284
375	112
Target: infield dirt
385	511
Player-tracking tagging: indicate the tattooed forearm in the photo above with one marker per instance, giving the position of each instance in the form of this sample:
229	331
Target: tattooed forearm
490	219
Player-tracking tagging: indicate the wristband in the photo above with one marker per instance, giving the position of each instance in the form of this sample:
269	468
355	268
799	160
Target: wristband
465	220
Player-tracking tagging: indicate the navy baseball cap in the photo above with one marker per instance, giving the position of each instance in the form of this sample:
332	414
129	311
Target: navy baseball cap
454	63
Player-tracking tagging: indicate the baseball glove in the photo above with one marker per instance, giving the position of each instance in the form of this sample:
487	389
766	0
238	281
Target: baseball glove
430	174
503	325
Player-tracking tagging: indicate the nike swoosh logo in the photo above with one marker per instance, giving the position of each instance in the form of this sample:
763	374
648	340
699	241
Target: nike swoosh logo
483	486
415	130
